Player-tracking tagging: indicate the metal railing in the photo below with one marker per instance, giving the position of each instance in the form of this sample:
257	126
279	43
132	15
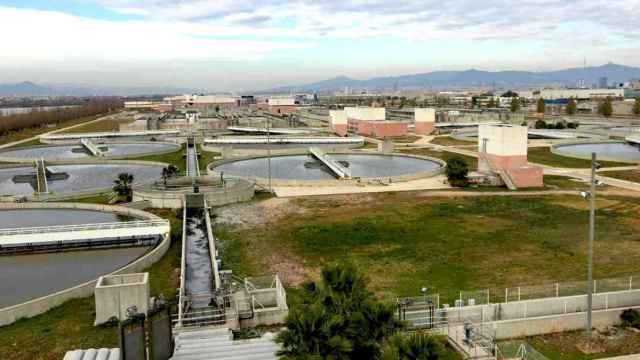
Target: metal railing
83	227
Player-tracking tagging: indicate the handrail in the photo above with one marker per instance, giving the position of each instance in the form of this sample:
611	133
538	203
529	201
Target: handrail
82	227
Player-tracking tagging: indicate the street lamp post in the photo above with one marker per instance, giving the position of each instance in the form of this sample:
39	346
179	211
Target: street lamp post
592	226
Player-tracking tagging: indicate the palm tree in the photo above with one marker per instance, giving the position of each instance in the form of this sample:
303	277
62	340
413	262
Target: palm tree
339	319
418	346
122	185
169	172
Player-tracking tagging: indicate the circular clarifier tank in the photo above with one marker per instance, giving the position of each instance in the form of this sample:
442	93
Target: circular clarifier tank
26	277
305	167
611	151
71	152
74	178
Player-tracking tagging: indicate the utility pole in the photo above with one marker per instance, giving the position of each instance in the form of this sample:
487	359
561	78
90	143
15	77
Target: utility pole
592	227
269	152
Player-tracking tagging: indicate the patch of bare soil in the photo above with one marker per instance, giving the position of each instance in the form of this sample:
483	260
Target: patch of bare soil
252	214
612	342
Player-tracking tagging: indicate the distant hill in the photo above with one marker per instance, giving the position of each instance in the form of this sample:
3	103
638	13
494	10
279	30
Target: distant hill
28	88
472	78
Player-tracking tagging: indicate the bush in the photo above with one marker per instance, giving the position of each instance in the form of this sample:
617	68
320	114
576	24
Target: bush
630	318
560	125
457	170
540	124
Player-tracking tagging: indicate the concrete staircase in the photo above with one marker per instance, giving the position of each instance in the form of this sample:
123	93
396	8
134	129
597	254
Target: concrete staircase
218	344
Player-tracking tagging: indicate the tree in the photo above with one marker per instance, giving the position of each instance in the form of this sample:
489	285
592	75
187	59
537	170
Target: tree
457	170
572	106
491	103
606	107
540	124
560	125
510	94
412	347
636	106
540	107
515	104
122	185
169	172
339	318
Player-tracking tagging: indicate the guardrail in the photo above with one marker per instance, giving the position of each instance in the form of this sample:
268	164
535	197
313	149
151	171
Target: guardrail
83	227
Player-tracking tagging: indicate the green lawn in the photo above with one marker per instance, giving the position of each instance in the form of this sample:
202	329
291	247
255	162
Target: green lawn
70	326
544	156
404	241
176	158
449	141
444	155
206	158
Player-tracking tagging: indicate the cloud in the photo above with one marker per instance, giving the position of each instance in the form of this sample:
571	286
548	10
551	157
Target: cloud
433	19
43	36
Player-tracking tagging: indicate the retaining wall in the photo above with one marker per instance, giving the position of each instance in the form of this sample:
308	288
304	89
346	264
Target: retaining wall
40	305
236	191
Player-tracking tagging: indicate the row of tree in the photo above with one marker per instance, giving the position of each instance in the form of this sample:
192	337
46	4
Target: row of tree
36	119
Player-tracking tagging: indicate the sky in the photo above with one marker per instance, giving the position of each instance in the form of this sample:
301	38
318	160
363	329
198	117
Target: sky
239	45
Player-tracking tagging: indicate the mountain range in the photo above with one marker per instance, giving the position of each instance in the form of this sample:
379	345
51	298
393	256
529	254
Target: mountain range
614	73
28	88
437	80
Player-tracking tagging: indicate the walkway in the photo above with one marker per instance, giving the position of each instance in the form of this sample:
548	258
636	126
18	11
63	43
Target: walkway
340	171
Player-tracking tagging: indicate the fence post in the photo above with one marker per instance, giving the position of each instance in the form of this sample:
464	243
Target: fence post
518	293
631	282
595	289
506	295
488	297
557	290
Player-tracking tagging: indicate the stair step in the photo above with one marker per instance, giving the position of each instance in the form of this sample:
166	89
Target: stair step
229	350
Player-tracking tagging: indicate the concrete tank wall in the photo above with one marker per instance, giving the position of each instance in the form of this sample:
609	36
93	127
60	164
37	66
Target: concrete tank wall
365	113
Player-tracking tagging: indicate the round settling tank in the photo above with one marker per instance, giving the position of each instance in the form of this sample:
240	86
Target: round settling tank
306	167
74	178
26	277
608	151
75	152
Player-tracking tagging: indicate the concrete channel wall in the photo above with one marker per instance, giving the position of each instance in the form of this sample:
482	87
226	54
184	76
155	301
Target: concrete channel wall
40	305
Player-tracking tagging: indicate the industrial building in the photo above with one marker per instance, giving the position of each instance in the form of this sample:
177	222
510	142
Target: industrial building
502	150
278	105
580	94
370	121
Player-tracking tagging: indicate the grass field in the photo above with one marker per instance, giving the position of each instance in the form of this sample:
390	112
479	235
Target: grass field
70	325
444	155
99	126
628	175
449	141
562	346
544	156
404	241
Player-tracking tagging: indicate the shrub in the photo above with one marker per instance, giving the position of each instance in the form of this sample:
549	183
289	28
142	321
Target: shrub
630	318
457	170
540	124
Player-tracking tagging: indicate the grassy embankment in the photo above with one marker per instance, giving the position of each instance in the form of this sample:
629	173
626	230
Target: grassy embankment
544	156
449	141
404	241
70	326
22	134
